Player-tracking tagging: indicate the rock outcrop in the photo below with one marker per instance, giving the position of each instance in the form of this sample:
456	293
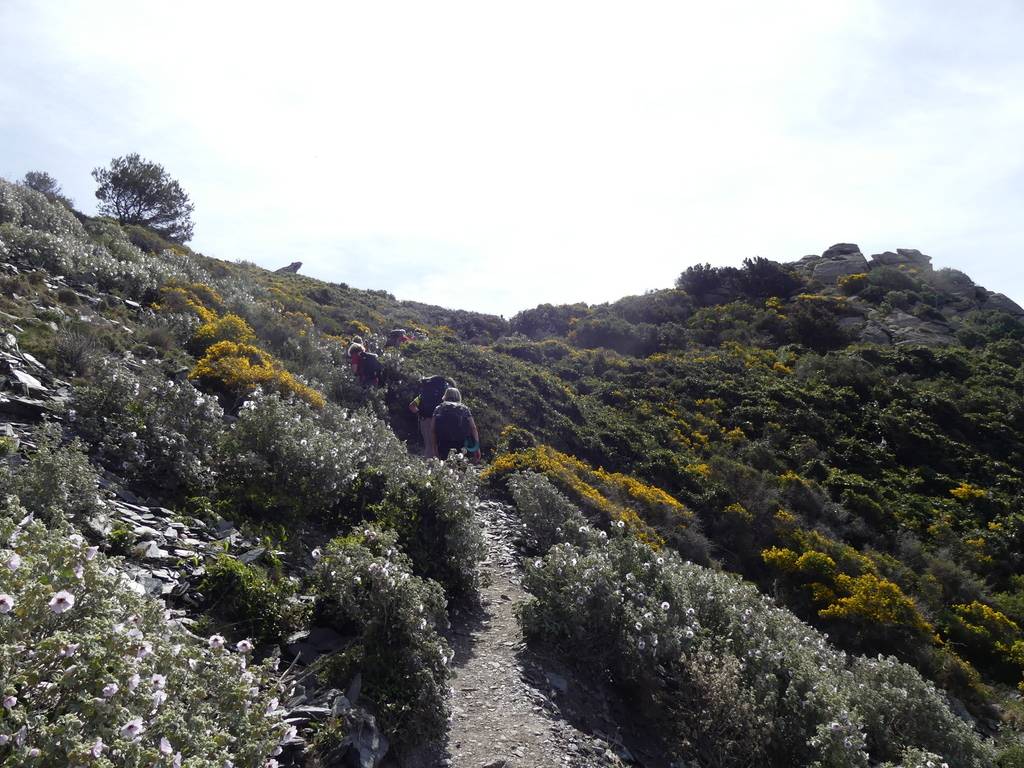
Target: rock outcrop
838	261
292	268
903	257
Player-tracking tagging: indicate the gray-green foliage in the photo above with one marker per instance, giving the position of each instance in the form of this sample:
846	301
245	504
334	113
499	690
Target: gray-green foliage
549	516
149	428
56	481
92	673
37	233
746	680
391	621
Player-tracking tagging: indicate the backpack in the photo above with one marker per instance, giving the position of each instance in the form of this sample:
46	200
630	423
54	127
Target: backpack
369	367
431	393
451	423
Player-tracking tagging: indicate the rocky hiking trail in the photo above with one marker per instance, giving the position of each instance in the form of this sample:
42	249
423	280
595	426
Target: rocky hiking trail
512	708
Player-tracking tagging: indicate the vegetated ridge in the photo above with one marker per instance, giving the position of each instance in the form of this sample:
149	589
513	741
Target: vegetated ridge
777	508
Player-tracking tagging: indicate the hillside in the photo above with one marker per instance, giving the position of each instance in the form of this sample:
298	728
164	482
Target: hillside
774	512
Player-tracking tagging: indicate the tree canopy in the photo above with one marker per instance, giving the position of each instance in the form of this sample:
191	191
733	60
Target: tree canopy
136	191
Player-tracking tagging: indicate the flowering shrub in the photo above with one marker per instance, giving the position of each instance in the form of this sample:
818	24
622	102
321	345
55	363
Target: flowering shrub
25	207
610	496
745	682
239	369
391	620
92	673
549	516
148	428
339	468
226	328
56	480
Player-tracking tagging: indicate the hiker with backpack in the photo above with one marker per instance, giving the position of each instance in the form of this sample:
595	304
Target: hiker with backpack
432	389
365	365
454	428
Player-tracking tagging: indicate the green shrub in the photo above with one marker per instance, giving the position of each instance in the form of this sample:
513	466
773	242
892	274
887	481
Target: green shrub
391	622
697	641
151	429
251	603
95	674
57	480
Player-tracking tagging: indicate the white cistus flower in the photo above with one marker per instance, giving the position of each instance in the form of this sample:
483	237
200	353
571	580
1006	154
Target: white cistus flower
133	728
244	646
216	641
6	603
62	601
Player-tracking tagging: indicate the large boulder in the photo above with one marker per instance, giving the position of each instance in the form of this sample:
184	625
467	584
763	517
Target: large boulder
904	329
998	301
838	261
908	257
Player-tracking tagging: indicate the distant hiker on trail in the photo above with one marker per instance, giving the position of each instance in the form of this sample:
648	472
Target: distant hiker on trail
397	337
432	389
454	428
365	365
355	354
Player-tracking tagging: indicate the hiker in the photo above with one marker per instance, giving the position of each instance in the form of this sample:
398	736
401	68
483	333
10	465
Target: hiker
454	428
355	354
397	337
370	370
366	366
432	389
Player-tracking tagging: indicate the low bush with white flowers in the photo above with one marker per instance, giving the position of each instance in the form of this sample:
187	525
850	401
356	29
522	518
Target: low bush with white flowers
94	674
742	681
150	429
391	621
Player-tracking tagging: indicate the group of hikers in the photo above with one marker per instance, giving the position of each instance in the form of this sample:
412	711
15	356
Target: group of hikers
446	423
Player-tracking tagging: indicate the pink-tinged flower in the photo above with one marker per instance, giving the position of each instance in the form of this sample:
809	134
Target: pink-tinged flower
158	681
34	752
271	763
133	682
90	552
133	728
272	706
216	641
10	702
21	735
79	571
62	601
244	646
4	739
14	562
97	748
145	649
110	689
165	746
76	539
70	650
290	733
6	603
159	697
176	762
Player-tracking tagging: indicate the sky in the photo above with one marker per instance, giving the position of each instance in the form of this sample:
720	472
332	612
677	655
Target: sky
494	156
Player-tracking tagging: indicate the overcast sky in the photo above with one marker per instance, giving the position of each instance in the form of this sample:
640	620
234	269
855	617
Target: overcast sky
493	156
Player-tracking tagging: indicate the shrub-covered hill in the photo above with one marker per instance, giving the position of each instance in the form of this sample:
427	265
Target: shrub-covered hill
843	435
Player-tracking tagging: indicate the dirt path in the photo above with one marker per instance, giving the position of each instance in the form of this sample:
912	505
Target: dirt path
507	708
